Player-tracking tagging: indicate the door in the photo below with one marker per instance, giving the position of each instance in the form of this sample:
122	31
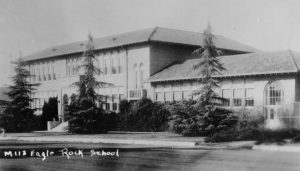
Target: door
273	104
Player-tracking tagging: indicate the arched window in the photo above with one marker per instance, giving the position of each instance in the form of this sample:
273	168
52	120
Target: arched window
135	70
141	75
273	93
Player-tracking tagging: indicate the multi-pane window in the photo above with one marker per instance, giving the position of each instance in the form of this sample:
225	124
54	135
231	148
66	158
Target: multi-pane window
195	95
271	113
114	69
115	102
237	97
159	96
121	96
168	96
141	75
273	94
135	70
177	95
226	94
186	95
249	100
105	66
119	64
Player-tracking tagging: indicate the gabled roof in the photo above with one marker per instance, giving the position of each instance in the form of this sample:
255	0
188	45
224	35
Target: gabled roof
156	34
236	65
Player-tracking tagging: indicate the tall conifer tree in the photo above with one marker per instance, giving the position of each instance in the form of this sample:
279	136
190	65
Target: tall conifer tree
84	115
19	116
209	103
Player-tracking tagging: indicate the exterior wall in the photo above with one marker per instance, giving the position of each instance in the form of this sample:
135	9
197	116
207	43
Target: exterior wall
163	55
117	66
285	116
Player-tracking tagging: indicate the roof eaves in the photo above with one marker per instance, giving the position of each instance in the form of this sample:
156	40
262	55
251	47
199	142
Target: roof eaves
293	59
221	76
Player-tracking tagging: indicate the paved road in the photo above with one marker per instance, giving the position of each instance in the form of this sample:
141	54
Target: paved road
132	158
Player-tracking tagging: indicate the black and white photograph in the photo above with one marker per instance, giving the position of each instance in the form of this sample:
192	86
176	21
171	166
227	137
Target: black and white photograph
149	85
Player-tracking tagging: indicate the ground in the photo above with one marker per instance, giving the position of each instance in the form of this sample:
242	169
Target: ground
136	157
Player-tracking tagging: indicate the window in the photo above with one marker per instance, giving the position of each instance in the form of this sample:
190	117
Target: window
160	96
273	93
177	95
107	106
119	63
186	95
114	101
135	70
141	76
105	66
271	113
195	94
226	94
168	96
237	97
249	100
34	76
114	64
121	96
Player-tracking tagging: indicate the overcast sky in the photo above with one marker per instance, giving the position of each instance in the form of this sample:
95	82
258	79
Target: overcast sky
27	26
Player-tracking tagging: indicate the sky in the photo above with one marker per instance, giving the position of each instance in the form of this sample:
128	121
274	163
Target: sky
27	26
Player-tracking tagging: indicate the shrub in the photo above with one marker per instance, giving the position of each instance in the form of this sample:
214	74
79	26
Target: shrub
277	136
248	127
143	115
49	112
185	119
189	120
85	118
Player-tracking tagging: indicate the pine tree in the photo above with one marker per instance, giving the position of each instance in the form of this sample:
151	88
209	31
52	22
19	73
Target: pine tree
19	116
215	117
88	83
85	117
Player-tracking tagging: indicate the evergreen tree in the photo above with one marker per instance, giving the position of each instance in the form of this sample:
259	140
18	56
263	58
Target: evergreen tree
214	117
84	116
49	112
19	116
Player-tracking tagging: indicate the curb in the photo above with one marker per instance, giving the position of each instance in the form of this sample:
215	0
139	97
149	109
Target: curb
105	141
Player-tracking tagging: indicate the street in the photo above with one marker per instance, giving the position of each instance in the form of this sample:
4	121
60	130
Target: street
136	158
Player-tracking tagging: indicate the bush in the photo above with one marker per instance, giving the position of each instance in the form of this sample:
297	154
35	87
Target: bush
143	115
247	127
49	112
85	118
188	120
277	136
185	119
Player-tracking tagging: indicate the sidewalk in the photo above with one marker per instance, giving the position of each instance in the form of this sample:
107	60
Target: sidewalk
162	139
154	139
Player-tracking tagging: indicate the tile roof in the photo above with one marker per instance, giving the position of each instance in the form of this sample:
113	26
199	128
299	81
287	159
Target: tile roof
236	65
156	34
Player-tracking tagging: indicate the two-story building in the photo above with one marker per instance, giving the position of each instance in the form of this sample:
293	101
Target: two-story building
157	63
127	60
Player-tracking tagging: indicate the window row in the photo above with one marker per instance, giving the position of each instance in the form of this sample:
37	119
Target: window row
169	96
111	103
238	97
42	71
107	64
